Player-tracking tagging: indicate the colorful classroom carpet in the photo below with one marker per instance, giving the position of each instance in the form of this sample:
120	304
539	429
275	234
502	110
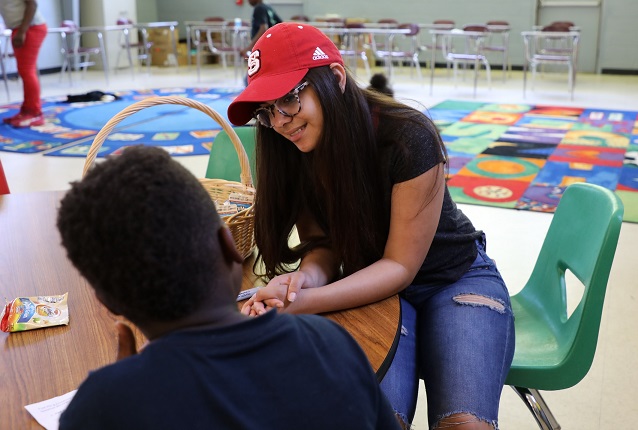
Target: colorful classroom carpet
524	156
69	128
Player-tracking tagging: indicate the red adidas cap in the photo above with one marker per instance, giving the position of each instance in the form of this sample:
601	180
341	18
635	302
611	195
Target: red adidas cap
280	59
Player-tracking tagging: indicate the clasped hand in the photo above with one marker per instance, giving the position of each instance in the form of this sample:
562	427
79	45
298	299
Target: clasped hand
280	293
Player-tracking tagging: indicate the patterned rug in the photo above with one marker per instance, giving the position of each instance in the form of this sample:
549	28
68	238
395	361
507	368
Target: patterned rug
524	156
69	128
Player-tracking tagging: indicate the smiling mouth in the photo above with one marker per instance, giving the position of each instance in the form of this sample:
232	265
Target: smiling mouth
296	132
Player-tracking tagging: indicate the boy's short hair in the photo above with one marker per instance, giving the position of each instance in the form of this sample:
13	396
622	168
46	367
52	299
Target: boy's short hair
144	232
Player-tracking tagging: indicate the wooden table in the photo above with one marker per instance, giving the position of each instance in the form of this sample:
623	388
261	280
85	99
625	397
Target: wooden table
37	365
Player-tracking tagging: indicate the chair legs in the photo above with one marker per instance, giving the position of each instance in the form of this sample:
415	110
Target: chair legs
477	61
571	77
537	406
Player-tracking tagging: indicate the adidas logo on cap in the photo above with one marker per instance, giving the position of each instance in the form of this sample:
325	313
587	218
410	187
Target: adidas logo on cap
319	54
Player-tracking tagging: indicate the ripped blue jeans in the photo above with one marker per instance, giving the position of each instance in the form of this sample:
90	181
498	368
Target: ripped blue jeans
459	339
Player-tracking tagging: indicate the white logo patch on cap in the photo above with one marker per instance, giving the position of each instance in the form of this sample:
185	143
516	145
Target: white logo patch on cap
319	54
254	63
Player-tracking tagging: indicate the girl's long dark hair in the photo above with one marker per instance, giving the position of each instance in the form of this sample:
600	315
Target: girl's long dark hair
341	182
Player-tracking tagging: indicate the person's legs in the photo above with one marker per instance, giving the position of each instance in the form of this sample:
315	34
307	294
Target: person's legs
466	345
400	383
26	60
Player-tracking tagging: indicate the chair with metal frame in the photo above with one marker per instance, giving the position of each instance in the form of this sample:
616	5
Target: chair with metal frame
5	53
555	348
409	50
470	52
75	56
353	47
378	42
197	40
552	45
439	24
234	42
141	46
218	44
498	41
300	18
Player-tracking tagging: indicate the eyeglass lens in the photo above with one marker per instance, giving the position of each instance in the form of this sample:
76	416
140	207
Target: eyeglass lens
289	105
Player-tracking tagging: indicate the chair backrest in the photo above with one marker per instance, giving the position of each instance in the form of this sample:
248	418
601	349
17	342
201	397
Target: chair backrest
557	27
302	18
355	25
414	29
565	23
444	24
582	238
475	27
214	19
71	25
341	21
223	162
4	186
387	21
70	40
498	26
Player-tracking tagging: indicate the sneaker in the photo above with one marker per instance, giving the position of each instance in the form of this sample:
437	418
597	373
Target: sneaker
8	119
24	120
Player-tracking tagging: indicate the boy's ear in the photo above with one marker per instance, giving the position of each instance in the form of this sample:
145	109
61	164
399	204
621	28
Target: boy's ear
227	245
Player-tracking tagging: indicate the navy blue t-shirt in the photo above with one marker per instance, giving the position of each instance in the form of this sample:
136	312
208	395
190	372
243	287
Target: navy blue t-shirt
276	371
263	14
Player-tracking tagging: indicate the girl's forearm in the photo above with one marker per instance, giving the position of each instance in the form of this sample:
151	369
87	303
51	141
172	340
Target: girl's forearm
378	281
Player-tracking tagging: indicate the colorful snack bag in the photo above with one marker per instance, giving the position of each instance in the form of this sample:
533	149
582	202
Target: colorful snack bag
28	313
242	201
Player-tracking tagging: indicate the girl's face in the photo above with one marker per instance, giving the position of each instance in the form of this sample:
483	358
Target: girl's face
303	129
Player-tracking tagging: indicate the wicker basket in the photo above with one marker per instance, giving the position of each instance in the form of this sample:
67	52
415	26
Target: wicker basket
241	224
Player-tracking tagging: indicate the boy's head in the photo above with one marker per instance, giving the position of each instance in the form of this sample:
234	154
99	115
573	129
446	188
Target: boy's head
145	234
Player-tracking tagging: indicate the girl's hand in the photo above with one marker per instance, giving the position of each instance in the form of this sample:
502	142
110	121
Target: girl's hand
279	293
17	40
269	297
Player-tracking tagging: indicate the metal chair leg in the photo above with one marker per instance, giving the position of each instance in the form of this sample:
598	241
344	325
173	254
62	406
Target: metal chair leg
537	406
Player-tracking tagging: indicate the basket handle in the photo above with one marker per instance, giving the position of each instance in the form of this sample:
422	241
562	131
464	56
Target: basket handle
244	163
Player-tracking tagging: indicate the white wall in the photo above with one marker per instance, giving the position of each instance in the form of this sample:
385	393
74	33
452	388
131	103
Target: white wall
102	13
147	11
619	35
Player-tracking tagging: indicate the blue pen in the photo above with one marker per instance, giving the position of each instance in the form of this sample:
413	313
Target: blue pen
246	294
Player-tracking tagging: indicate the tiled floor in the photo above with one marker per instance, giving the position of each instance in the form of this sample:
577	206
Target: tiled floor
606	398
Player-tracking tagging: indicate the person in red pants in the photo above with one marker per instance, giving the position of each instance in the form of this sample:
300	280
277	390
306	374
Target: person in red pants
28	32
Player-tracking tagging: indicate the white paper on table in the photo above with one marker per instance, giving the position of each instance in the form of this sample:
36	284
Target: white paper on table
47	413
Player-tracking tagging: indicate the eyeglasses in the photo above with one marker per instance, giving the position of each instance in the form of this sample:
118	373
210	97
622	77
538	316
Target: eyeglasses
288	105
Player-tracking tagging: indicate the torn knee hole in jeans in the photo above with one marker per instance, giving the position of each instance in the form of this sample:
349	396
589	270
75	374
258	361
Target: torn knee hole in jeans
479	300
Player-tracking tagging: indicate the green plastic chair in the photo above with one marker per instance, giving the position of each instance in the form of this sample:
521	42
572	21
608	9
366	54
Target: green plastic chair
223	162
555	351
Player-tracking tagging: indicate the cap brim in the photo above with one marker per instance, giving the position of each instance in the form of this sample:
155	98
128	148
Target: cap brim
262	89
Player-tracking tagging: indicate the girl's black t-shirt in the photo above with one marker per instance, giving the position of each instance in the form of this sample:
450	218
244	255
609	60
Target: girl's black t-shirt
410	149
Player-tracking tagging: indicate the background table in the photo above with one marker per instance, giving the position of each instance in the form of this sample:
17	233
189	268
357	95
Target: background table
37	365
356	33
